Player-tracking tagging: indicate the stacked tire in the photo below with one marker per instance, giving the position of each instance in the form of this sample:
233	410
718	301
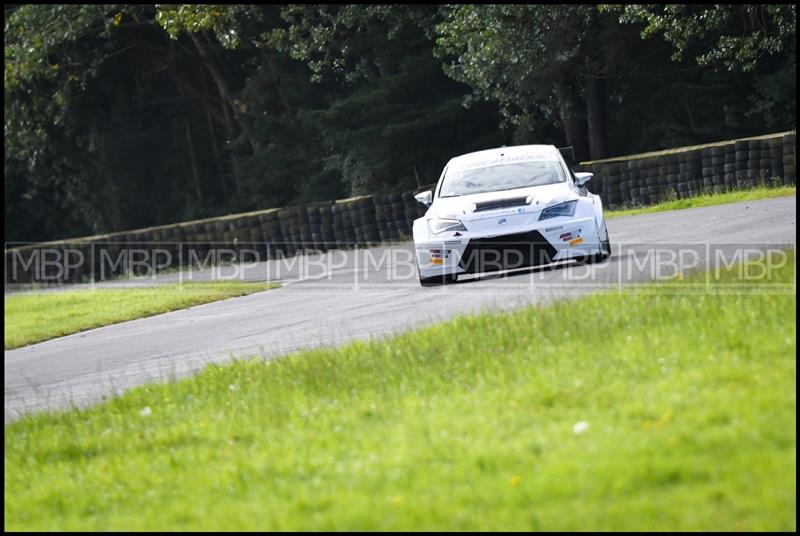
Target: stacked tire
384	218
789	154
344	233
290	229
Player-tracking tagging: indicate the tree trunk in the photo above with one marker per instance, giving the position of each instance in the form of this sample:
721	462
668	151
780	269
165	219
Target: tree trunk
219	78
229	108
193	159
180	84
571	120
231	132
595	116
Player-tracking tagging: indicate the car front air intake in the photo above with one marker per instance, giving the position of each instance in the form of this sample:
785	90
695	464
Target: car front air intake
501	203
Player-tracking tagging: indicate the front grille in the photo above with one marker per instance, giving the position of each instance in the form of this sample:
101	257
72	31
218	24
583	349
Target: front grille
501	203
506	252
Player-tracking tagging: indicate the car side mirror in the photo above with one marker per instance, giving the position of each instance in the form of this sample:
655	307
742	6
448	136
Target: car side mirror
426	198
582	178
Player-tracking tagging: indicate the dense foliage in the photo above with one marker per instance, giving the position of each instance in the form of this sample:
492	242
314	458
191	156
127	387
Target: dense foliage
120	116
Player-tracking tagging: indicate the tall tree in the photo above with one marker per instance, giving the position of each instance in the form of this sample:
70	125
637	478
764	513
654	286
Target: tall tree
745	53
551	58
125	125
396	116
734	36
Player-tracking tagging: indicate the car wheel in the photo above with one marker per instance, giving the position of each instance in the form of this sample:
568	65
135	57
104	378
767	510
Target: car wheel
438	280
605	250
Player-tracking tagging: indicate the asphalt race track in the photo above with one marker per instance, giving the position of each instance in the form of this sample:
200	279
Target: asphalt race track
344	295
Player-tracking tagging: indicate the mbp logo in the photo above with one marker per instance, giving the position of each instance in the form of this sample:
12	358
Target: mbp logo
44	264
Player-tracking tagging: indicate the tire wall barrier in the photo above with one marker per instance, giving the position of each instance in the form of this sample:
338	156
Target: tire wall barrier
374	219
650	178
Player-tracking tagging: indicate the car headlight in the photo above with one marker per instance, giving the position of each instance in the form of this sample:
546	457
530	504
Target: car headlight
562	209
437	226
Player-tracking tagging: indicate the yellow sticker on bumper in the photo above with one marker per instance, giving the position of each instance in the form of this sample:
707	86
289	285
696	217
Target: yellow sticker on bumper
576	241
437	261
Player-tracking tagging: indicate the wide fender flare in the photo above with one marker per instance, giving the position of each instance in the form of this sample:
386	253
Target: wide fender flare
419	230
599	216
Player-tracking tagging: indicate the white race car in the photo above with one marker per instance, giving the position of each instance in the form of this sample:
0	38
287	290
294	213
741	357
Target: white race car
507	208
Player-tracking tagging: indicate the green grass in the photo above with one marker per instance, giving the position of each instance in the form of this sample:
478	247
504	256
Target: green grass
690	401
37	316
753	194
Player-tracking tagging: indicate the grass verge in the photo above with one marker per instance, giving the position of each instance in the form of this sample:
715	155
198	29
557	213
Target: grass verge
618	411
754	194
38	316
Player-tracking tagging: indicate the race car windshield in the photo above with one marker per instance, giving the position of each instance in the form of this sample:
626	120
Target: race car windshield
501	177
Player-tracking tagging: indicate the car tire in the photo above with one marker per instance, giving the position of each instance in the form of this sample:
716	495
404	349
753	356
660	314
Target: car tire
438	280
605	250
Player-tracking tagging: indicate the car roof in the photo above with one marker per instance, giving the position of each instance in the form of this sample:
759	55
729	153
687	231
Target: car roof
500	155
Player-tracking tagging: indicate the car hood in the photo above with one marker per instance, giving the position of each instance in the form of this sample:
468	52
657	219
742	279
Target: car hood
464	207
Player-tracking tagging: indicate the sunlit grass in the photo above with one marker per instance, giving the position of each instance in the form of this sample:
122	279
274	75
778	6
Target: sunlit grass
40	315
626	410
708	200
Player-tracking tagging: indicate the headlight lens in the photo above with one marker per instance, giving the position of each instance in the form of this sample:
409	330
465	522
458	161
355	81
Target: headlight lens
562	209
437	226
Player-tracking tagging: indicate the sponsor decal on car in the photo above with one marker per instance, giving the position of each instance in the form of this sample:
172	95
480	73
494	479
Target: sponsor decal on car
573	237
438	255
501	160
501	212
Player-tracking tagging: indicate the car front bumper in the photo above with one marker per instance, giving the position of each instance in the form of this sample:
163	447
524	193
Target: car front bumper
477	252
